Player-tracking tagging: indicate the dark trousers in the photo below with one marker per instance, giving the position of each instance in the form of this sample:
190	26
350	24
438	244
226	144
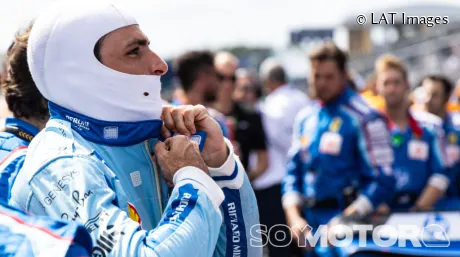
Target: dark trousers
273	218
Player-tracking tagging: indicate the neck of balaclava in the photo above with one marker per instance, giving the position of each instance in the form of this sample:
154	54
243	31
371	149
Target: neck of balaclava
111	133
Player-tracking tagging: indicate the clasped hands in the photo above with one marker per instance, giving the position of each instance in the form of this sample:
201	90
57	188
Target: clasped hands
179	151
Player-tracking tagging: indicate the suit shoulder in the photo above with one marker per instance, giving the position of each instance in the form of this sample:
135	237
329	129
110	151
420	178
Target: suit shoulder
427	119
363	111
307	111
455	119
360	110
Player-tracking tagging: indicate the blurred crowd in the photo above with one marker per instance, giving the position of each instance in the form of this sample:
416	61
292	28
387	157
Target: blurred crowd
297	147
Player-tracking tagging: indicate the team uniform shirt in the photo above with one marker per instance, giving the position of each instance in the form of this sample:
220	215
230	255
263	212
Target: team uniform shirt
451	128
420	158
344	143
22	235
13	149
101	174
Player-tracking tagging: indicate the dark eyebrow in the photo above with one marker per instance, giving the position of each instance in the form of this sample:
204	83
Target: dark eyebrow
136	42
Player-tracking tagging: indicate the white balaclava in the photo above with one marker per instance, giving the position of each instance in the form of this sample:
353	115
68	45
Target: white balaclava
63	65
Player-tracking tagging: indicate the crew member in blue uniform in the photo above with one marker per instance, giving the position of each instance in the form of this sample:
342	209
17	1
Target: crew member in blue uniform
438	90
341	161
420	168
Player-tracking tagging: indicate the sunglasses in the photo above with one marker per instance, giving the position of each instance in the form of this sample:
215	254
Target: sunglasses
223	77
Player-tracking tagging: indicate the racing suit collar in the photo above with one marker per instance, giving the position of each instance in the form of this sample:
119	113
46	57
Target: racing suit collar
22	126
107	132
339	99
412	123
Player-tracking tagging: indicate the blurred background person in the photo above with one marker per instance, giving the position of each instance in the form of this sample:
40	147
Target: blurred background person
419	168
226	65
236	97
247	90
370	93
341	159
30	113
198	78
279	110
438	88
199	83
454	99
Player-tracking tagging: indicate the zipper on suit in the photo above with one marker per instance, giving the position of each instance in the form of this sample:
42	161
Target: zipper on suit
156	174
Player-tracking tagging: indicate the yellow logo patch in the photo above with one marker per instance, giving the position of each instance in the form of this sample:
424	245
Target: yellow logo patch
453	139
133	214
304	141
335	125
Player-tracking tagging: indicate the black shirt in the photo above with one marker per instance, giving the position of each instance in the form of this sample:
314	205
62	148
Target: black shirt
249	132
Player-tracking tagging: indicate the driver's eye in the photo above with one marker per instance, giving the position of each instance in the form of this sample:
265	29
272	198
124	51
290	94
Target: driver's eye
134	52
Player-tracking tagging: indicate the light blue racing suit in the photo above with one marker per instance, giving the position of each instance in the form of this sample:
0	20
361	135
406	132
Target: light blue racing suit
13	149
22	235
101	174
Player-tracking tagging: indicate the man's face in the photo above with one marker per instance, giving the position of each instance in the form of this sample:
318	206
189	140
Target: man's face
127	50
244	91
209	82
393	87
226	74
436	98
327	80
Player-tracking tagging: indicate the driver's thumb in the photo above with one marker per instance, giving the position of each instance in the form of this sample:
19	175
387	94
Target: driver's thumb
160	149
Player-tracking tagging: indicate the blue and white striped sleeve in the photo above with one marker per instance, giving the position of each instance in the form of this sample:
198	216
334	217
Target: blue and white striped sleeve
189	226
9	168
240	231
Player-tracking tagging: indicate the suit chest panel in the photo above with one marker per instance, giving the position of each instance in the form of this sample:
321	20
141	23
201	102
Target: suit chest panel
138	191
328	139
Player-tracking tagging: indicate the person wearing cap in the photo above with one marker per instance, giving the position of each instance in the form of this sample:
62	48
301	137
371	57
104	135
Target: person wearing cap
93	163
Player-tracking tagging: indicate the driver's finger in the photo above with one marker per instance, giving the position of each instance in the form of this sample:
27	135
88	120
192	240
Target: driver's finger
177	142
189	119
165	133
178	117
160	151
168	121
195	145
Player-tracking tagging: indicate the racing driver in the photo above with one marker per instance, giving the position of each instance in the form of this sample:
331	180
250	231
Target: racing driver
93	161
